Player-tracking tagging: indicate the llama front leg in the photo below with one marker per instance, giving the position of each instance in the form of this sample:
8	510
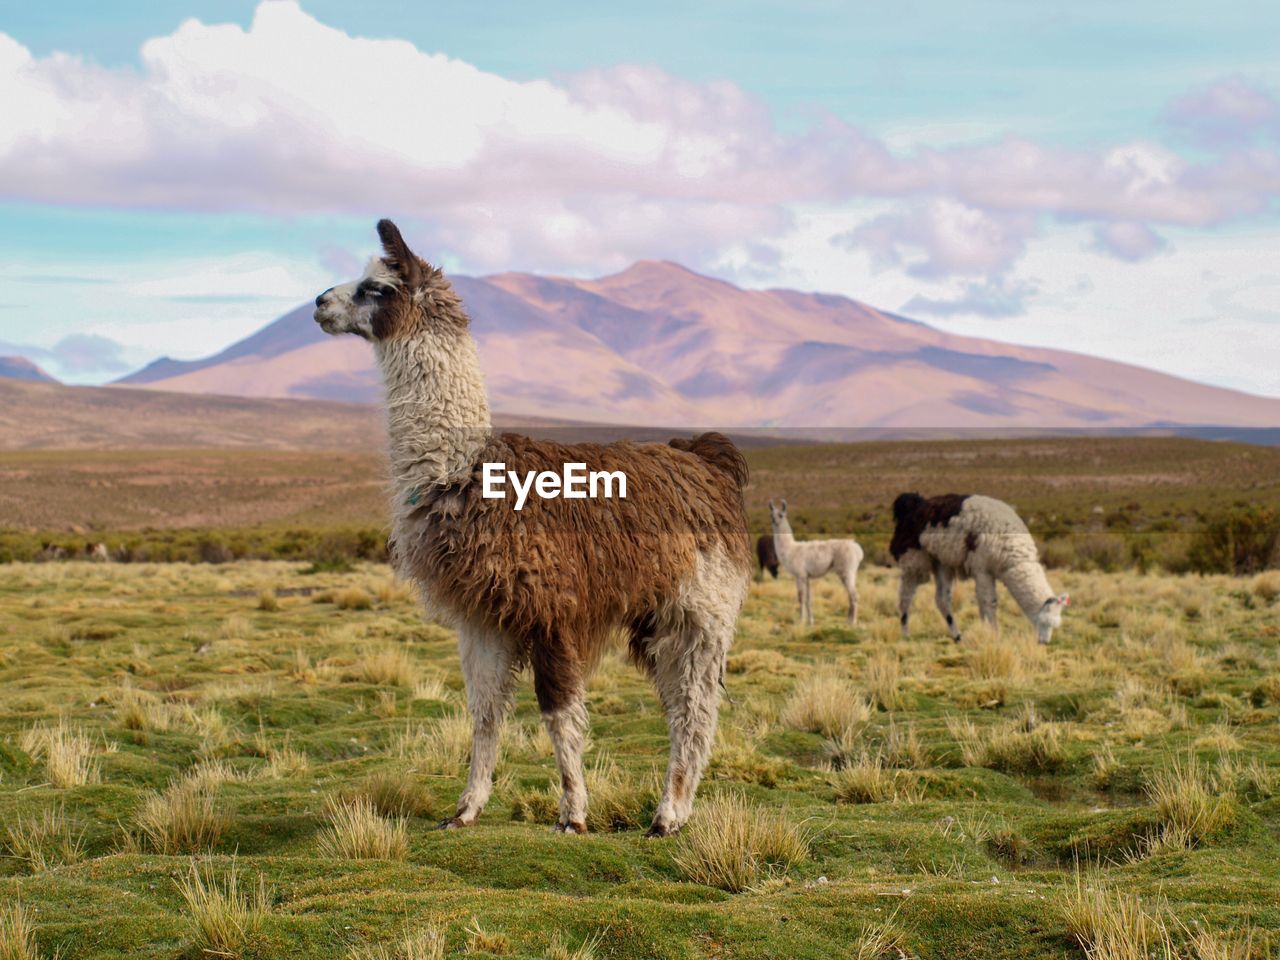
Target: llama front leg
689	686
851	585
987	603
942	595
906	593
802	595
488	667
558	681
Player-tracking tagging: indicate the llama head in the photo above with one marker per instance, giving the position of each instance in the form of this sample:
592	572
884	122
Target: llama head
905	505
1049	616
778	516
398	295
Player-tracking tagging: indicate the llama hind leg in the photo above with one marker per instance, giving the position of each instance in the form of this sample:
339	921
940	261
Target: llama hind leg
851	585
488	667
942	596
906	593
987	604
689	685
559	684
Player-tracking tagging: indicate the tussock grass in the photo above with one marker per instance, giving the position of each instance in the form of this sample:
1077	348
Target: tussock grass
442	745
1008	746
480	940
902	747
184	818
392	666
826	704
882	676
44	841
1112	925
427	943
17	933
1189	804
67	751
398	793
352	598
225	915
764	661
357	832
870	781
734	844
268	602
883	940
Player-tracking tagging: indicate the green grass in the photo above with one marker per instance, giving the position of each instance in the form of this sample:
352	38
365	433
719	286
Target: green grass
952	825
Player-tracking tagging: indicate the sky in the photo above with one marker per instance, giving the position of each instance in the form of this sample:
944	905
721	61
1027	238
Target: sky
1092	176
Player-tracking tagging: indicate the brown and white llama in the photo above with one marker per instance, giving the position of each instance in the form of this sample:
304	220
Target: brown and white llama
545	586
956	536
807	560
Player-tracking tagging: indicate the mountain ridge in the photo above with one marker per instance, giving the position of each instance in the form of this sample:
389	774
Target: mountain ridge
659	343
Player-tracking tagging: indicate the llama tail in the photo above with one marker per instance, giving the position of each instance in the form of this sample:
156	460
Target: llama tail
719	451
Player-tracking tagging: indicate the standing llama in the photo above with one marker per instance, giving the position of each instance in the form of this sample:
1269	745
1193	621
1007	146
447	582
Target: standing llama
767	555
667	564
954	536
815	558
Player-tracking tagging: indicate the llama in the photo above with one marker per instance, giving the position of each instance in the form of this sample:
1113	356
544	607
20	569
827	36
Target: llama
956	536
815	558
767	556
668	566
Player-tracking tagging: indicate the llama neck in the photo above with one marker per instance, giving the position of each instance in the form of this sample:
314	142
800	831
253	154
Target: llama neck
437	409
1029	586
783	540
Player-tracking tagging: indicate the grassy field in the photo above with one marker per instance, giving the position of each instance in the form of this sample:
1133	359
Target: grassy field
247	760
1093	503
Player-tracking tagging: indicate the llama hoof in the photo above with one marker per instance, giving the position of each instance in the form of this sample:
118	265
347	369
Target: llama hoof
957	638
660	830
455	823
573	826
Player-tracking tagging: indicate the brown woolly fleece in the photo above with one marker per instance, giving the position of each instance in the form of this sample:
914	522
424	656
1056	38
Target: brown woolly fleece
559	574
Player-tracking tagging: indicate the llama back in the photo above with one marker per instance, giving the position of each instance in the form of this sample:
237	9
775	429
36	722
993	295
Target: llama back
576	567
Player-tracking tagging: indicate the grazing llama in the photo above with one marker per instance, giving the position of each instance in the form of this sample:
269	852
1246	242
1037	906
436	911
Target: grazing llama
815	558
668	565
767	555
954	536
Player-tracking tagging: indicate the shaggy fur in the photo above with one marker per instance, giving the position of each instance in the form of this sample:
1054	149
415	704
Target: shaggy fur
667	566
955	536
767	556
815	558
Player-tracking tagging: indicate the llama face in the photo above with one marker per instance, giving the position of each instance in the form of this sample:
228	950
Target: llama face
1049	617
352	307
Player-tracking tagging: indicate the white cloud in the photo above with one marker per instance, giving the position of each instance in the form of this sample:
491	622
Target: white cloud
293	117
1127	241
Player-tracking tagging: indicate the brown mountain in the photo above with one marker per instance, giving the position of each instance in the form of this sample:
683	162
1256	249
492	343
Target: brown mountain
660	344
20	368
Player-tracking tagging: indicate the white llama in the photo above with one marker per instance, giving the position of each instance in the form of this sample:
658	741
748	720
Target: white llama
809	559
547	584
954	536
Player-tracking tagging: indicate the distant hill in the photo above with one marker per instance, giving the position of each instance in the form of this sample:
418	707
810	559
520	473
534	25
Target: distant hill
20	368
660	344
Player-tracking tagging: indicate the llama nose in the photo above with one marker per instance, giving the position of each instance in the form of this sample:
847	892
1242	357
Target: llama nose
320	299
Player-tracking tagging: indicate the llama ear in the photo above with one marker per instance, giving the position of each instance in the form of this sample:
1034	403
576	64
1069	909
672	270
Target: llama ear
398	255
783	511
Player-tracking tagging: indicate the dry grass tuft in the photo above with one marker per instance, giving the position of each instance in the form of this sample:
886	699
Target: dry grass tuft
67	752
559	950
870	781
883	940
357	832
225	918
480	940
352	598
183	819
882	676
1110	925
17	934
1010	746
425	944
1189	804
44	841
826	704
734	844
442	745
398	793
389	667
761	661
